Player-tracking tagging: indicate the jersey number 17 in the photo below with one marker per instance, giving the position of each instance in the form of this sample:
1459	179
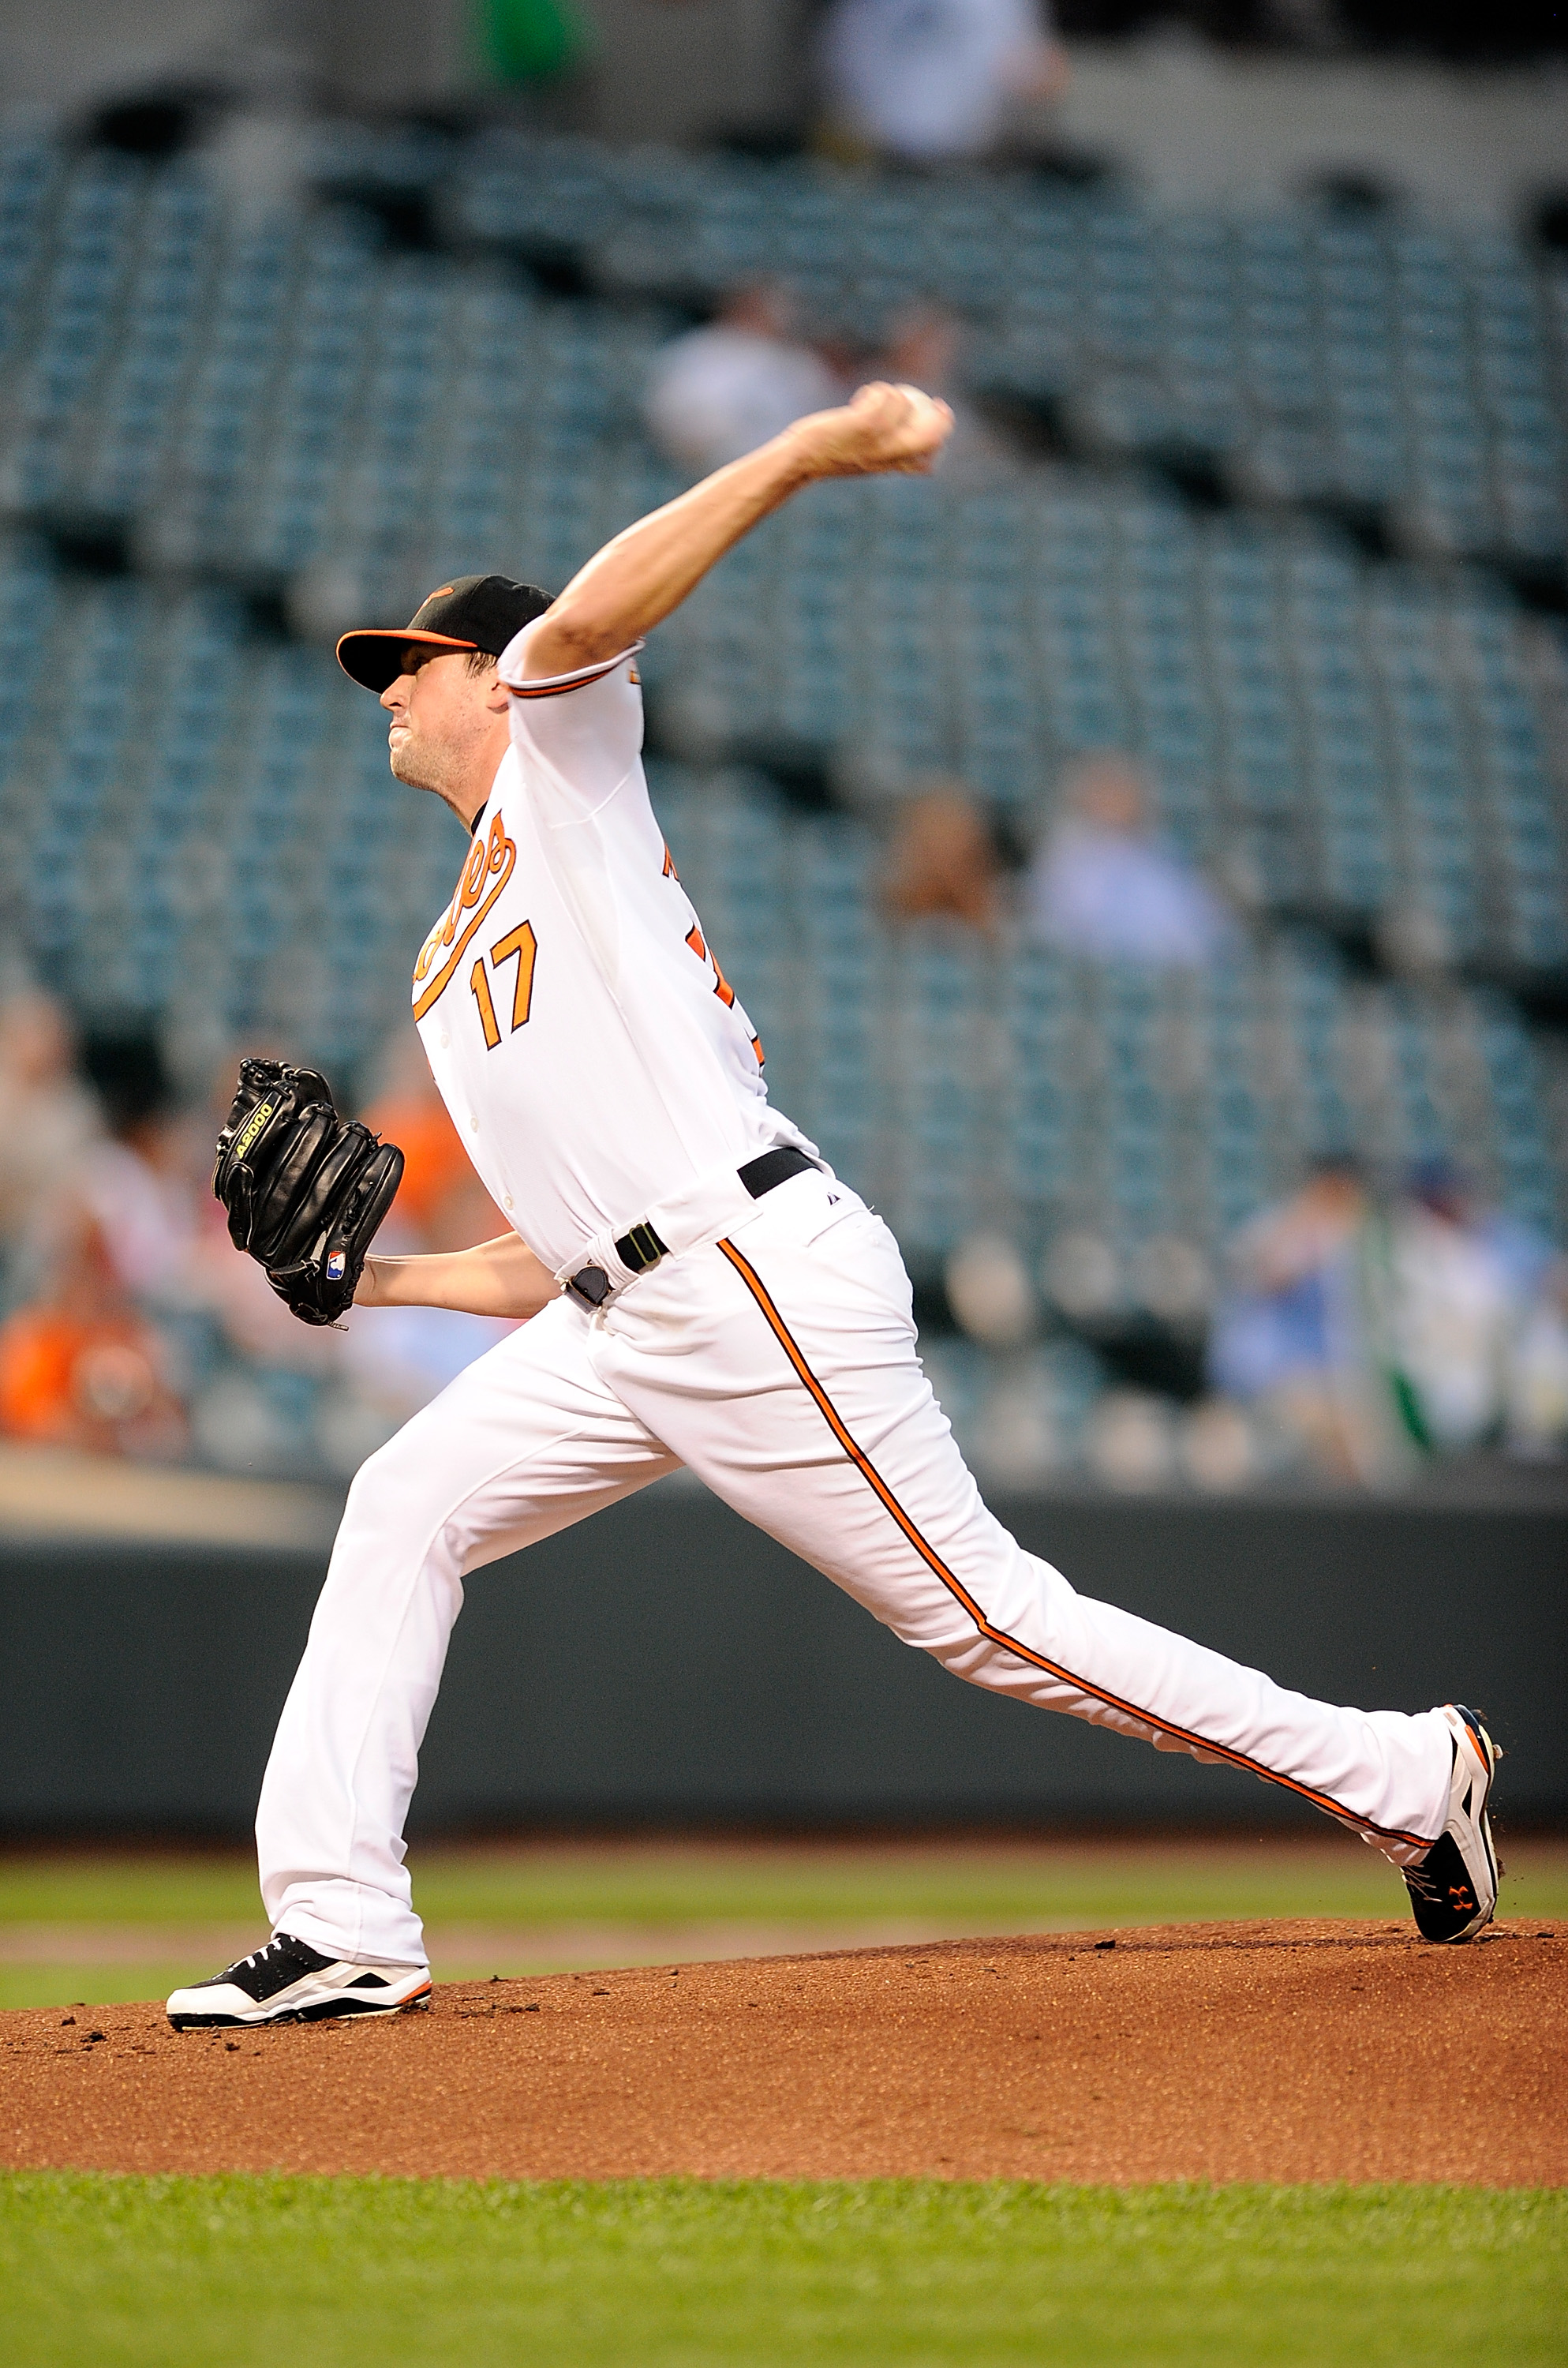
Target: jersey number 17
523	946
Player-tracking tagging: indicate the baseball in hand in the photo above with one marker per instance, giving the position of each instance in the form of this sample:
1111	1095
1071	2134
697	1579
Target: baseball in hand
884	430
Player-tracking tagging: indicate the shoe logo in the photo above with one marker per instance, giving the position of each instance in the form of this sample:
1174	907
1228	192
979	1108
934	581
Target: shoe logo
1460	1893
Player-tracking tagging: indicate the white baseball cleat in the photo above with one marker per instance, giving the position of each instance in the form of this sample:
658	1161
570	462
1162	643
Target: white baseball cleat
290	1981
1454	1888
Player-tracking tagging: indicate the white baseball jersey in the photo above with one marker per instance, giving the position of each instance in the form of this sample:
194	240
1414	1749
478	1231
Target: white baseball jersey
592	1053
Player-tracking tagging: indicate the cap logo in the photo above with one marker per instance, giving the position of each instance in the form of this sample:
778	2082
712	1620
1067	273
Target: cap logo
439	594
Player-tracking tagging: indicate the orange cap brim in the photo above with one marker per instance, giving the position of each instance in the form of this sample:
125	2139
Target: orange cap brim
372	654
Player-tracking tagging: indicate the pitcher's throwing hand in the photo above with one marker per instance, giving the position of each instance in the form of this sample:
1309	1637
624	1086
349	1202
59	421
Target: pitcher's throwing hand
883	431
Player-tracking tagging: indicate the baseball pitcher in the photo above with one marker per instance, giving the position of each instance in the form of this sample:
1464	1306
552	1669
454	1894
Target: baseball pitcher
700	1288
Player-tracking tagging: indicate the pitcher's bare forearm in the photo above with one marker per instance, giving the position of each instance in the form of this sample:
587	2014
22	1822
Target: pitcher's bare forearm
645	572
498	1278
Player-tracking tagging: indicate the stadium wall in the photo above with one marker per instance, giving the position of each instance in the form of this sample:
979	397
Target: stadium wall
665	1663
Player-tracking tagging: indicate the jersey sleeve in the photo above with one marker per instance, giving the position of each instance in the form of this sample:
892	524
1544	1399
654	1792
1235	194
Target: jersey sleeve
578	735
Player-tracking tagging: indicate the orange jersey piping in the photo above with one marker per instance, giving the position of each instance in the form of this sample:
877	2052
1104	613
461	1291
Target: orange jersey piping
560	684
999	1636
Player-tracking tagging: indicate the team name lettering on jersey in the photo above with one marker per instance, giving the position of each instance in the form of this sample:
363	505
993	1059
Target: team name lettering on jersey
485	875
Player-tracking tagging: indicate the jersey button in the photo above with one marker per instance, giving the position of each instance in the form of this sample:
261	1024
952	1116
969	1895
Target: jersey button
508	1199
473	1120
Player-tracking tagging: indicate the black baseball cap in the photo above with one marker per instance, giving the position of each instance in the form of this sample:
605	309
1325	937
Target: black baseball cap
472	612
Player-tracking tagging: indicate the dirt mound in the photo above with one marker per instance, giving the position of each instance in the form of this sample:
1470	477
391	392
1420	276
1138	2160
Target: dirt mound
1271	2051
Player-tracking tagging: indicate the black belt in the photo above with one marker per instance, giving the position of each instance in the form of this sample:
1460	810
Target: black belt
641	1248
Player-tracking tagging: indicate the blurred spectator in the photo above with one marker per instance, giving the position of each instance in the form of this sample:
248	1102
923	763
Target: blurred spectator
1535	1413
923	350
1366	1332
136	1181
1292	1332
1446	1313
721	390
1104	884
80	1366
932	82
46	1119
528	42
88	1360
943	861
1477	1317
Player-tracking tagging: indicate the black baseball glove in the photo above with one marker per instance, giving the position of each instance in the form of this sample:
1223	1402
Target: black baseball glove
305	1190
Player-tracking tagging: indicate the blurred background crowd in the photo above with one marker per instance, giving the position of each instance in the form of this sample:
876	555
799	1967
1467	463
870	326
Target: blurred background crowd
1144	849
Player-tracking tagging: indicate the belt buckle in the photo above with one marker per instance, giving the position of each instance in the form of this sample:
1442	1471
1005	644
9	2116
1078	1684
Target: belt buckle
590	1287
639	1248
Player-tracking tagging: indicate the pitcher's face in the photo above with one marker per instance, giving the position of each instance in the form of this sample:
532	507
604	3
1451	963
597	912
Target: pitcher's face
441	714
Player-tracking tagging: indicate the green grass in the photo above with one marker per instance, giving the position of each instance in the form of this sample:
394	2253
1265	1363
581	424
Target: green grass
648	1896
980	1885
173	2272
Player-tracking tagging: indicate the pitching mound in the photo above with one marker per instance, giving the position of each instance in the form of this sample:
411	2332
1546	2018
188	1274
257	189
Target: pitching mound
1268	2051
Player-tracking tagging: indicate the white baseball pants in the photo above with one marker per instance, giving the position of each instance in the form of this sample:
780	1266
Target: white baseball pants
779	1364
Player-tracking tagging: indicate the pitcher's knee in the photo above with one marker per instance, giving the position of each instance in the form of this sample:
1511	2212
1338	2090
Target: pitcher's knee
397	1493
